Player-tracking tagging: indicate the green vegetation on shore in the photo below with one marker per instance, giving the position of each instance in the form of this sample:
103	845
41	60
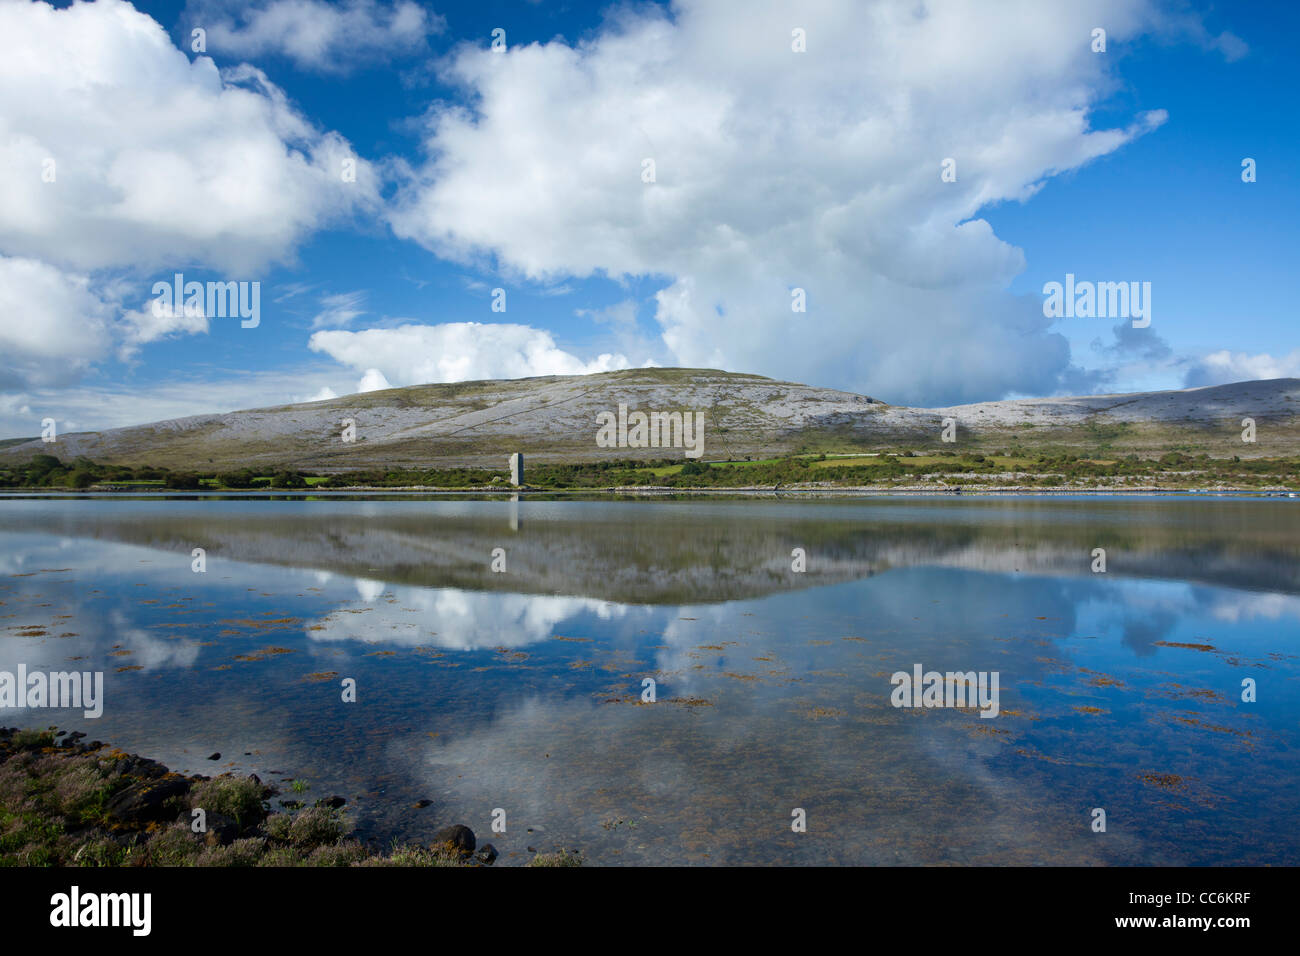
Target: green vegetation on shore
65	803
1012	467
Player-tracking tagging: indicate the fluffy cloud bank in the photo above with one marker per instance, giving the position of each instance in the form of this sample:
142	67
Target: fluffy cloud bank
157	160
120	159
776	170
453	352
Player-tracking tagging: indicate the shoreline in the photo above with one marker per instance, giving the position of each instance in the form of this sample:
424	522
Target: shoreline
963	491
68	803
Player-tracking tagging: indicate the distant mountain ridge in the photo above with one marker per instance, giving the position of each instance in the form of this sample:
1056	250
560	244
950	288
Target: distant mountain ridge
554	419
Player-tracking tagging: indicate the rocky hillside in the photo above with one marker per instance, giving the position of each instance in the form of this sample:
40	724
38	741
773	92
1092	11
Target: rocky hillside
554	418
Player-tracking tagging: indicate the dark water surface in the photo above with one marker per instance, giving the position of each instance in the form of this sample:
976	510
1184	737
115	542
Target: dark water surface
521	690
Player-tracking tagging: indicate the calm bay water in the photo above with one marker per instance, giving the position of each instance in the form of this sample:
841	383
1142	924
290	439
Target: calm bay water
521	689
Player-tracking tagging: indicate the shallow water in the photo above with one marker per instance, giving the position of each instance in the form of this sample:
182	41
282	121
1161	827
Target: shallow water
521	690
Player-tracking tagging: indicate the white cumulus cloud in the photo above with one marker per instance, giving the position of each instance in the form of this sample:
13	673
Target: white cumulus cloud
776	170
454	352
157	161
373	381
121	161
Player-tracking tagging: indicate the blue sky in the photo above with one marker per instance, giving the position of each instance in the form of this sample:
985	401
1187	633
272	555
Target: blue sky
523	170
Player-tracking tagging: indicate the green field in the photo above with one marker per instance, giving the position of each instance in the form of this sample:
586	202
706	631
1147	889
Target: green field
883	470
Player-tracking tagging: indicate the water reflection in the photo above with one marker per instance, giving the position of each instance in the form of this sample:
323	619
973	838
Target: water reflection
653	552
522	689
